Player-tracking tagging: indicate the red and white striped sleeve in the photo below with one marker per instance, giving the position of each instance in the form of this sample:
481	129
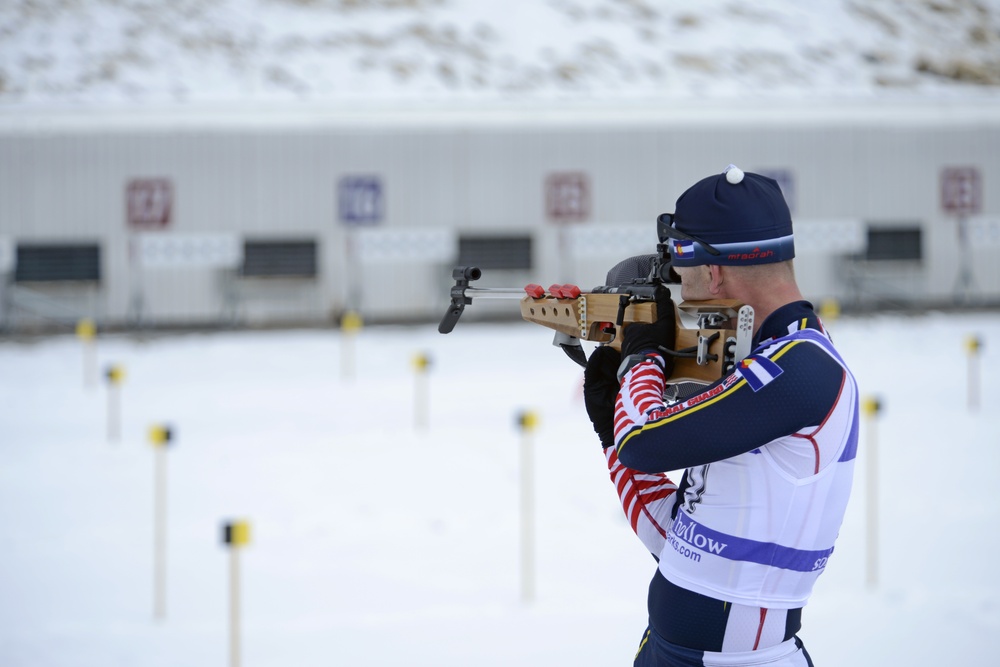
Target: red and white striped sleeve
646	499
641	394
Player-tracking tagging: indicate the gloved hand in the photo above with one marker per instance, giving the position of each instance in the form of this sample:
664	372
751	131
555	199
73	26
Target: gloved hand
600	391
640	337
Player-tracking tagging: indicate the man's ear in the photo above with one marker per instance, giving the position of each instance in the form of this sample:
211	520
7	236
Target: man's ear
716	279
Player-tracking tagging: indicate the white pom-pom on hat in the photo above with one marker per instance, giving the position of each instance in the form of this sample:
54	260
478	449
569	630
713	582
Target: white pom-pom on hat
734	174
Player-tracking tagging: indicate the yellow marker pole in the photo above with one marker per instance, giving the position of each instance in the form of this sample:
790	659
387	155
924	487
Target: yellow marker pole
114	375
350	325
160	437
86	331
871	407
972	347
527	422
236	535
421	391
829	310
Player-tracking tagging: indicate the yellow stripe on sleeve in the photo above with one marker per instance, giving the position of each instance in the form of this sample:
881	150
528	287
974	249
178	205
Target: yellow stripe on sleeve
704	404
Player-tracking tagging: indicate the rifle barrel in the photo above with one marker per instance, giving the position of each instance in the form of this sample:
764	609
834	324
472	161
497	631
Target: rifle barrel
495	292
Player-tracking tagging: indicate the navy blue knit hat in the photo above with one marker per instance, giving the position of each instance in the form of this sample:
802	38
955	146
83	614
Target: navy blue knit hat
733	218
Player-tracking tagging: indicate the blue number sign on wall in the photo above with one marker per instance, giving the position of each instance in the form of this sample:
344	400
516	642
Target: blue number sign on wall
360	200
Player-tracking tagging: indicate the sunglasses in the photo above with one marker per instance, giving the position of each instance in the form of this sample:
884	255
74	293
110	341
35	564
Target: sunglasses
665	230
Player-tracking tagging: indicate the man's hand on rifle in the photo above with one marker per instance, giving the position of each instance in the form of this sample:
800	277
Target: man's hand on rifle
601	382
640	338
600	391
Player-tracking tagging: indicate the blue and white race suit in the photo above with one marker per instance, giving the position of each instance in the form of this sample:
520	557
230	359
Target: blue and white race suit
768	458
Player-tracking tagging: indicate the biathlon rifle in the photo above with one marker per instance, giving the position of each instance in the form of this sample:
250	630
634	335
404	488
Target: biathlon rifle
705	352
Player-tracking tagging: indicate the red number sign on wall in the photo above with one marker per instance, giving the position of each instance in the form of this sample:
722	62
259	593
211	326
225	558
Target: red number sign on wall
567	197
148	202
961	190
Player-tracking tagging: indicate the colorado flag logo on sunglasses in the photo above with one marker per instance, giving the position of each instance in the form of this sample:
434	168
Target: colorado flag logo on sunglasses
683	249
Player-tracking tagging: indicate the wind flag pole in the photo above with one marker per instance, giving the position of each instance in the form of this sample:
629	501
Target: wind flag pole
236	535
871	407
160	437
86	331
114	375
973	346
527	421
421	391
350	325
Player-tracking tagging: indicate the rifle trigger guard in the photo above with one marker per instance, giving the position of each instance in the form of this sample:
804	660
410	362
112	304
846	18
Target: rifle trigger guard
571	346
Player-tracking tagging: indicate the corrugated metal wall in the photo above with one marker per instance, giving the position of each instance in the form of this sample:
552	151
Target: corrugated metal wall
280	182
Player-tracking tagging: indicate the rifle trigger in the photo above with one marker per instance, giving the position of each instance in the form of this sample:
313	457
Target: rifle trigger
623	302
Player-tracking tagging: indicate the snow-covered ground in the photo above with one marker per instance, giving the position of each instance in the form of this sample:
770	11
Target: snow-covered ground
99	54
376	541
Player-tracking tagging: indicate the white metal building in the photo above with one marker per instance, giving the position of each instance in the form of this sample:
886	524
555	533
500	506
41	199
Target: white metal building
184	219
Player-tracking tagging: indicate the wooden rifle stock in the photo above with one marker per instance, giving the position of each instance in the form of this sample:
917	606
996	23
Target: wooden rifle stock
710	350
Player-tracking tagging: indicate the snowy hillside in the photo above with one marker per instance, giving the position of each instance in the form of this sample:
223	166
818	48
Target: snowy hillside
57	54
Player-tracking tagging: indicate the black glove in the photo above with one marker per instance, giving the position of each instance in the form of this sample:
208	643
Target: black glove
640	337
600	391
